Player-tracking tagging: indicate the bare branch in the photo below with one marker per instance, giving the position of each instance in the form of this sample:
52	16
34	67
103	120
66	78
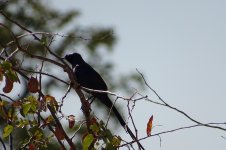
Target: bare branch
176	109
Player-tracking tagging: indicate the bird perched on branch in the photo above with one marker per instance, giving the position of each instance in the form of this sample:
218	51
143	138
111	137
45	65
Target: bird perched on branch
87	77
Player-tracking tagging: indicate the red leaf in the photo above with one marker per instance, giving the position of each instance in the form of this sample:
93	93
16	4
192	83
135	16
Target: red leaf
149	126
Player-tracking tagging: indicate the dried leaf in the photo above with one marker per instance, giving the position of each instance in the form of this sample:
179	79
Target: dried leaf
71	121
8	85
33	85
149	126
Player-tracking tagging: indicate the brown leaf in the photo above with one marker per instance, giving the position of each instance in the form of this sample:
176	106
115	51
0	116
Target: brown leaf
59	133
33	85
149	126
71	121
8	85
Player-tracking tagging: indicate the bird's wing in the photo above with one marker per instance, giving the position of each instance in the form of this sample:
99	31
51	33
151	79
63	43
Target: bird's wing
89	78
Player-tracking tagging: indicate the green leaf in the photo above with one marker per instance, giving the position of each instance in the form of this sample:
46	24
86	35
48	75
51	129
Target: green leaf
38	134
33	107
109	134
110	147
26	107
31	98
23	123
12	75
6	65
87	141
7	130
95	128
116	141
30	105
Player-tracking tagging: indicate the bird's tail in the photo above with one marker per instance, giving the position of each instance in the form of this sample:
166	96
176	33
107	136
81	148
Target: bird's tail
106	100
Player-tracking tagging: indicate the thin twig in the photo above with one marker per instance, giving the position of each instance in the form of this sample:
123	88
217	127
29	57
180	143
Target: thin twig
80	126
43	73
62	99
109	113
3	144
7	97
13	53
53	34
164	132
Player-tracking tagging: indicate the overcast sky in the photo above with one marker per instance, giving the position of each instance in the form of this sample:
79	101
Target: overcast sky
180	46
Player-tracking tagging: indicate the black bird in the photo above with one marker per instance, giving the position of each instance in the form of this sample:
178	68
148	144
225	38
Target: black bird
89	78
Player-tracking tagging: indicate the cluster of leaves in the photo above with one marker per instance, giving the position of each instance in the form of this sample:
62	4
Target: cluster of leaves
24	113
99	131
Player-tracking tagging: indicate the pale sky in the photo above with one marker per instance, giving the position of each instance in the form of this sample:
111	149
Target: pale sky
180	46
